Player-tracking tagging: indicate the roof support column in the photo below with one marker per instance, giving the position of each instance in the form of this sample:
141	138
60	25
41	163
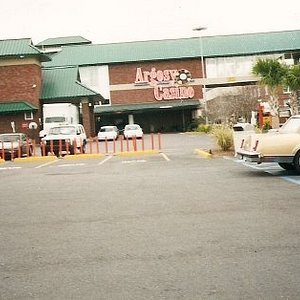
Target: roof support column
88	118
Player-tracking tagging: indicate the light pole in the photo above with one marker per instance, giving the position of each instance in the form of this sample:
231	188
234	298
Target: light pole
198	29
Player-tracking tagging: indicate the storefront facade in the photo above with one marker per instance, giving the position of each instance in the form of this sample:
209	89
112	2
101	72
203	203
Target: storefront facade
157	84
141	81
153	95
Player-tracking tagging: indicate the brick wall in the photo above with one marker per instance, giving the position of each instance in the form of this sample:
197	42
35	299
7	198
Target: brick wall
20	83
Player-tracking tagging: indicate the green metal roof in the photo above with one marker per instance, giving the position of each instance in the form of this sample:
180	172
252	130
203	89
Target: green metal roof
62	83
16	106
20	48
213	46
66	40
123	108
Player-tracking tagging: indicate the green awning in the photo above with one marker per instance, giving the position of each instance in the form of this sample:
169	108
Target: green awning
16	106
152	106
62	83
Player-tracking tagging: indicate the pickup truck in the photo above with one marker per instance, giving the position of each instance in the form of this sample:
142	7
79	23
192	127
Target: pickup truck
67	139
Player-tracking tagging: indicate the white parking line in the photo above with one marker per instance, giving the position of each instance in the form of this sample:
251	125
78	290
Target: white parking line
272	169
134	161
105	160
71	165
46	164
165	156
291	180
10	168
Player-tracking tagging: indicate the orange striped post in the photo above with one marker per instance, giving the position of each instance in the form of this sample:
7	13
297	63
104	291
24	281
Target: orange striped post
51	147
143	143
114	144
106	146
91	145
134	143
59	148
67	144
97	145
27	147
12	151
75	146
121	141
159	141
127	144
43	150
152	141
33	146
3	152
19	149
81	147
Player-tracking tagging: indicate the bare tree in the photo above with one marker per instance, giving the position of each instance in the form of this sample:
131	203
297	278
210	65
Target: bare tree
234	103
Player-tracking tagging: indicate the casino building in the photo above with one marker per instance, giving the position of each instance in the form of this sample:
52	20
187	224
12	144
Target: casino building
157	84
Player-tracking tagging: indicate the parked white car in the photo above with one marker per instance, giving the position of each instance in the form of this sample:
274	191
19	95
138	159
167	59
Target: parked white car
133	130
108	133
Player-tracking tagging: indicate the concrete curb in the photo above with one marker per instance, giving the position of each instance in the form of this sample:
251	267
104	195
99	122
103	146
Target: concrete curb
83	155
203	153
140	152
34	158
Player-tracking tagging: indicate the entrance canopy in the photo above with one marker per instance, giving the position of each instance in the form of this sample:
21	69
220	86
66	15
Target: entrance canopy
146	107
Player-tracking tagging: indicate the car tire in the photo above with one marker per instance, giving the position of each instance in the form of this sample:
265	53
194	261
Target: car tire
297	162
287	166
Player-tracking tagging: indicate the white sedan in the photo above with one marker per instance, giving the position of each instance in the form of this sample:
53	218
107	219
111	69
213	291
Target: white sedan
133	130
108	133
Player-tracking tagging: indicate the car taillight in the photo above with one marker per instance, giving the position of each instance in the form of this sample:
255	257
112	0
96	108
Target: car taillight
255	146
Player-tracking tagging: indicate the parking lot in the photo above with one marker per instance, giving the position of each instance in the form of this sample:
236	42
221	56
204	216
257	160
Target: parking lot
169	225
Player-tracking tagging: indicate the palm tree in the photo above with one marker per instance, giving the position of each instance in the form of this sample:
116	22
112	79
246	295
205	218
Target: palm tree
292	80
272	74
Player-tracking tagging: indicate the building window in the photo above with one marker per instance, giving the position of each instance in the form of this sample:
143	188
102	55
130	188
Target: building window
28	115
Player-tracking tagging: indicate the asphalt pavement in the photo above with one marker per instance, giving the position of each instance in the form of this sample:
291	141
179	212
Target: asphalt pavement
171	225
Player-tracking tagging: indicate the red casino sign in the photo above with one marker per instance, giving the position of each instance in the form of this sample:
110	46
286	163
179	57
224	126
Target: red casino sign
167	84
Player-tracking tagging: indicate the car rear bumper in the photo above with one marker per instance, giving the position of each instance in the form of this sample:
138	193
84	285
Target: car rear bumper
252	156
249	156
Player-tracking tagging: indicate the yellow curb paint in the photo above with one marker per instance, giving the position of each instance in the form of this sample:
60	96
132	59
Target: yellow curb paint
203	153
133	153
86	155
34	158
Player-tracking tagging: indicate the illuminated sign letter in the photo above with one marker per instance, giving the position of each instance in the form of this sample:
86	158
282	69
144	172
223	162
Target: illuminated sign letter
139	76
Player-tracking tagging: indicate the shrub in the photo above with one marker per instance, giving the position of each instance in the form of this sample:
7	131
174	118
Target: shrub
204	128
224	136
193	126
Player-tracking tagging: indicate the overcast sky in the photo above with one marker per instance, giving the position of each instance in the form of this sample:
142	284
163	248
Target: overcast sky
133	20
